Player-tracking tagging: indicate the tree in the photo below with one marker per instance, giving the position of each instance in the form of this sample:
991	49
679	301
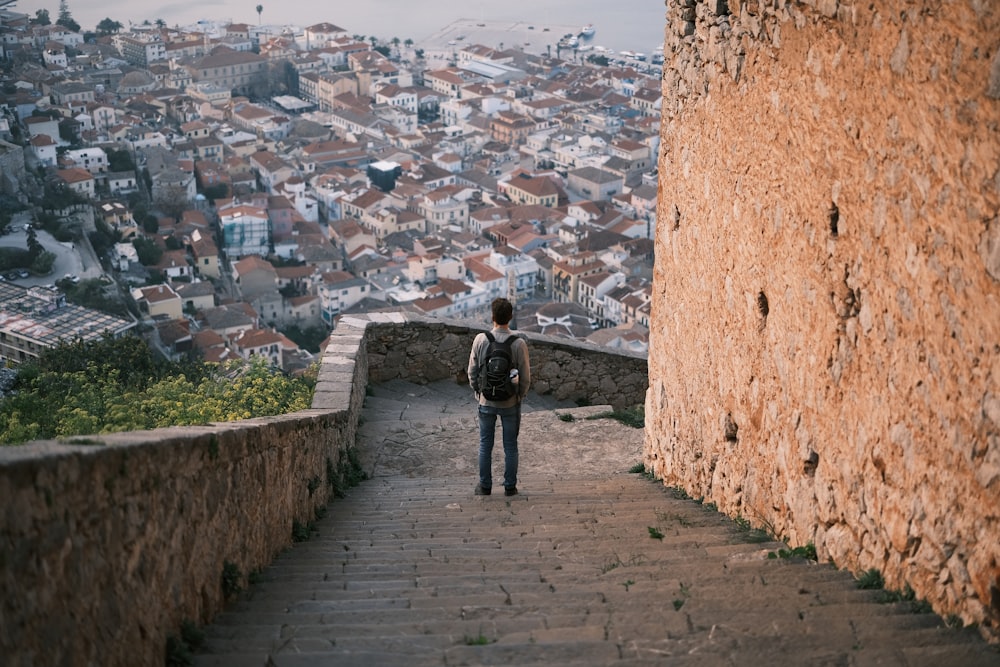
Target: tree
108	26
94	294
57	196
260	8
34	246
408	43
160	23
217	191
42	17
374	40
309	338
103	238
42	265
290	77
120	160
173	201
149	253
65	18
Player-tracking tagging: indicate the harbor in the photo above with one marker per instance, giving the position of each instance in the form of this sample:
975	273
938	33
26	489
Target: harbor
555	40
533	38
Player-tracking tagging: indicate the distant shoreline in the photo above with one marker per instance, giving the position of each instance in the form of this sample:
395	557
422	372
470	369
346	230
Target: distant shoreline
533	37
403	19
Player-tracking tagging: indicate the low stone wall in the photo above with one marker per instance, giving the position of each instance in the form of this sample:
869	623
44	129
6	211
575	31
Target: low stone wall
109	543
436	350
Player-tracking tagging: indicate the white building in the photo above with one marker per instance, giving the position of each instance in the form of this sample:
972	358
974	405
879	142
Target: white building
94	160
519	268
338	291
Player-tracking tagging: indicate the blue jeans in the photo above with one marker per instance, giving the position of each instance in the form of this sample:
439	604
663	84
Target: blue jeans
510	421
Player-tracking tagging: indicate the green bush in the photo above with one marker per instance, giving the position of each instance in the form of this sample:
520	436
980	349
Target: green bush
117	385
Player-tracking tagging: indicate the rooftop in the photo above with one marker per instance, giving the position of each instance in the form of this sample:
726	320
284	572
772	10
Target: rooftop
41	315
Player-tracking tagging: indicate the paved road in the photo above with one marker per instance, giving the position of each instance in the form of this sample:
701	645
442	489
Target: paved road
71	258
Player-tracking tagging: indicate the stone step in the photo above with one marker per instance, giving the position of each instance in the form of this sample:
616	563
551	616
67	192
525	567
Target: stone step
410	568
480	564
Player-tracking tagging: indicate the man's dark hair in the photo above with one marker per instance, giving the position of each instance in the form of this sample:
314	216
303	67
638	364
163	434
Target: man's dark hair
503	311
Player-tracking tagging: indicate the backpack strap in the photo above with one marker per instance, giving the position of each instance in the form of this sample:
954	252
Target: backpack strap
486	350
507	341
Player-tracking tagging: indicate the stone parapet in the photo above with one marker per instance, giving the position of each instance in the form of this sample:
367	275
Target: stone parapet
109	543
439	349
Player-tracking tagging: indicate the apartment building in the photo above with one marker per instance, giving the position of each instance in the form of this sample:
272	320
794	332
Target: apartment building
225	68
79	180
94	160
441	210
568	273
140	49
338	291
35	319
535	190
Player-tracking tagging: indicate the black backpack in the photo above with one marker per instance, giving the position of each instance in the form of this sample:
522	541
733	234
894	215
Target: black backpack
494	379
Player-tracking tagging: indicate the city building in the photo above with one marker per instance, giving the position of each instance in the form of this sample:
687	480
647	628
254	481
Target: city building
39	318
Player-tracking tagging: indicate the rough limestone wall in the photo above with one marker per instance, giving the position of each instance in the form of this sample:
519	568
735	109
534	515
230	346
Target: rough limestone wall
825	355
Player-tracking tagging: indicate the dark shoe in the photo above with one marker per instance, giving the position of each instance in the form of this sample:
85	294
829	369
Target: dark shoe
510	491
480	491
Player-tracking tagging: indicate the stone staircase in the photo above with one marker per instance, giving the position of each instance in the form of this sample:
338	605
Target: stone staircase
589	565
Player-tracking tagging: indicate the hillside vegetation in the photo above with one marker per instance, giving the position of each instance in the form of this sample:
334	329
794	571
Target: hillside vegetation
121	385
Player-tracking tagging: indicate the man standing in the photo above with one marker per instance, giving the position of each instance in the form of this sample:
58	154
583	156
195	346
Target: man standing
508	410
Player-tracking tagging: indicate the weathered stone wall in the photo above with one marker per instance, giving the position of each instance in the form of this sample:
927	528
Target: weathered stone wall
12	173
109	543
825	354
437	350
107	547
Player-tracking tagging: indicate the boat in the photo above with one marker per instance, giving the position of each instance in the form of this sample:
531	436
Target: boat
587	30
